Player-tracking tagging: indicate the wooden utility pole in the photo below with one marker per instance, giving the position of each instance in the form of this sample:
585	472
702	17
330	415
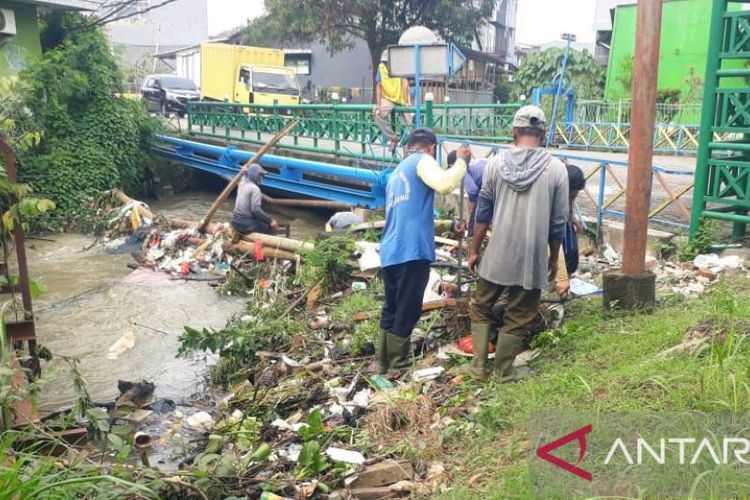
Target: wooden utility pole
641	151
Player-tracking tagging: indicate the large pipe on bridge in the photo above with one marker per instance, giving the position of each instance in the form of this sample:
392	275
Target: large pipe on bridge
313	179
238	156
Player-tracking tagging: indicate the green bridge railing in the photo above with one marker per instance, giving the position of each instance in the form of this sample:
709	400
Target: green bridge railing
347	130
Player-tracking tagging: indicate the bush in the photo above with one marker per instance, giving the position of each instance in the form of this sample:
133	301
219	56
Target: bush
93	139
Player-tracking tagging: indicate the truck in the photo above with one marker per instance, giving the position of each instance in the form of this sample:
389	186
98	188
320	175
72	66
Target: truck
240	74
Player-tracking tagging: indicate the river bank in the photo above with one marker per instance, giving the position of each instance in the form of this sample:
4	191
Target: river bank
89	302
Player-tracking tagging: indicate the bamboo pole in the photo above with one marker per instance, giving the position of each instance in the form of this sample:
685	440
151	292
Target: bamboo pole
244	247
268	240
237	178
287	202
140	208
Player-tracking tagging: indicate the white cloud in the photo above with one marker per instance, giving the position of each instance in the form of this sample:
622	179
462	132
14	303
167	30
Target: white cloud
541	21
227	14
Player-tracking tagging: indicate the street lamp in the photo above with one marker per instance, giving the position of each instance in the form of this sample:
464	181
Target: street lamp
569	38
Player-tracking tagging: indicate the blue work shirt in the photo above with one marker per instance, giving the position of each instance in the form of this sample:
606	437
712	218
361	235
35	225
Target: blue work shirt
473	179
409	232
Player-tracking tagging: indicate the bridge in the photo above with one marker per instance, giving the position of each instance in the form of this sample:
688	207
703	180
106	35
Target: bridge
365	187
360	187
349	130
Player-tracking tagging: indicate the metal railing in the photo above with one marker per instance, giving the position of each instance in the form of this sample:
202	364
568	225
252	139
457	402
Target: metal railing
606	196
621	112
346	130
349	130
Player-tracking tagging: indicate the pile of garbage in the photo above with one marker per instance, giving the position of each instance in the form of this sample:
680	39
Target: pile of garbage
684	278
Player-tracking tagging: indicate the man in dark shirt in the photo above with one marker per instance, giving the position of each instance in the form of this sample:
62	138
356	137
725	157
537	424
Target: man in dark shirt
248	216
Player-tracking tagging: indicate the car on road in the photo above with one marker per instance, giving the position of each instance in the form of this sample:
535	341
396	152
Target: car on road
166	94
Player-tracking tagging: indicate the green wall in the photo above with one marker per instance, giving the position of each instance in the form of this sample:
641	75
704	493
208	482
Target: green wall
18	50
684	44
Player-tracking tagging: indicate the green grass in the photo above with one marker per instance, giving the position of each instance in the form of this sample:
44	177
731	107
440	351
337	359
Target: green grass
600	364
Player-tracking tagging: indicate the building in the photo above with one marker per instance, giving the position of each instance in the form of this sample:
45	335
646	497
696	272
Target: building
139	35
683	51
493	49
19	29
349	72
603	17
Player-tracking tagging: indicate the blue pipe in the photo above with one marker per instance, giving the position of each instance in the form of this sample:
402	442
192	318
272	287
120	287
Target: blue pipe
231	156
286	174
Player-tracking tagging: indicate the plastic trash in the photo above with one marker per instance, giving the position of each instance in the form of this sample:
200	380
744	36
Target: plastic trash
611	255
202	421
380	382
706	261
124	343
362	398
427	374
581	288
370	258
467	345
346	456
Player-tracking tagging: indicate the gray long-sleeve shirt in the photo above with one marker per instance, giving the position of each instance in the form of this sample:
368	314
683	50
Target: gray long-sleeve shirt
247	211
525	197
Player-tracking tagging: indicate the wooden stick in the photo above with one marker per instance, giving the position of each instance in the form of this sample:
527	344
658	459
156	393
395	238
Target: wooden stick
237	178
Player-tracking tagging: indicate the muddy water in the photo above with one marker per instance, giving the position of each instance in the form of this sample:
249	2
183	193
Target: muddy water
92	298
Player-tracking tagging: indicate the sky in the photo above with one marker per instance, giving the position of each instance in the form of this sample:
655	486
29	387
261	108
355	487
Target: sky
538	21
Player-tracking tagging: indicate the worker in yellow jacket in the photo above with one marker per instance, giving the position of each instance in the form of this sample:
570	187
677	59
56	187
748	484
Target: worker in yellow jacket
389	93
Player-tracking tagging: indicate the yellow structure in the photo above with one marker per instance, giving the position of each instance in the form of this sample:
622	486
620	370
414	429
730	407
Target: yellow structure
242	74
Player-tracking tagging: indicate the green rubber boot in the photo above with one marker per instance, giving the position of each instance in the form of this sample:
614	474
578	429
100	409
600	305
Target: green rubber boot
382	367
480	338
399	352
508	347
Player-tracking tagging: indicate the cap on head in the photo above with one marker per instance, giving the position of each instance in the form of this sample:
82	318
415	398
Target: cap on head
422	136
530	117
384	56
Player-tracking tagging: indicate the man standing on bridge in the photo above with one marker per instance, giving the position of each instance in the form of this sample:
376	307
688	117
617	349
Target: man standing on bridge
407	247
389	93
248	216
524	196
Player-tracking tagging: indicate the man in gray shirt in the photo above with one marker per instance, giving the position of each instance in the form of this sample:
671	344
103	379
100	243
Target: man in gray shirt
524	197
248	215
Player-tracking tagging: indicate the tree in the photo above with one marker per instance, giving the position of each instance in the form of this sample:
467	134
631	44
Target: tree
93	139
540	69
625	74
338	23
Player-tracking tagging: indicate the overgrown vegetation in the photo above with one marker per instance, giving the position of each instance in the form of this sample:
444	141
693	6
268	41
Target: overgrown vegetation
330	263
540	69
701	241
602	364
91	138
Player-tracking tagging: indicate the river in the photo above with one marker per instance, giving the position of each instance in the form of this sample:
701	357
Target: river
91	300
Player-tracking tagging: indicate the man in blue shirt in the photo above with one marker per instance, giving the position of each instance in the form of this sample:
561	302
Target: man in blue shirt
407	247
472	181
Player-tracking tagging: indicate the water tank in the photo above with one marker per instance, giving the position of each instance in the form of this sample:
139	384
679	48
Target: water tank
419	34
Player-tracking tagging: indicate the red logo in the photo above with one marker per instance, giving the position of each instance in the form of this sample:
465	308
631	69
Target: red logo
543	452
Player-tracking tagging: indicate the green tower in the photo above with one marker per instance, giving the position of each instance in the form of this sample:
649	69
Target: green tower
722	176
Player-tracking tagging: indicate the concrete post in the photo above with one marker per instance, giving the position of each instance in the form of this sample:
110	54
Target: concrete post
634	286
